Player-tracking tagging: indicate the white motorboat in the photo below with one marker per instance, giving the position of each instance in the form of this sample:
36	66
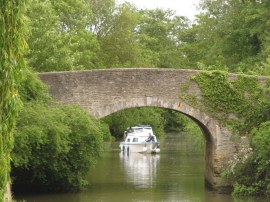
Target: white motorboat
140	139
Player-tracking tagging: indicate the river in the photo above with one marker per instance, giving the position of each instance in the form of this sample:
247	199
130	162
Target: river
174	175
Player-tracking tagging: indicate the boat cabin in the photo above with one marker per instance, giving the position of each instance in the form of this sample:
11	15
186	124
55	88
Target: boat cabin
139	134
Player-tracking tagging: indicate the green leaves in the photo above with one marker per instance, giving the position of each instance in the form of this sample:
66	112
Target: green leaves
55	147
233	34
120	121
32	89
12	46
248	101
90	34
60	38
242	97
120	46
256	170
260	140
162	33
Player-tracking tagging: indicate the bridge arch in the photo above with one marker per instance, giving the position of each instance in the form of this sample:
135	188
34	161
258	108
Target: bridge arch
103	92
200	118
210	128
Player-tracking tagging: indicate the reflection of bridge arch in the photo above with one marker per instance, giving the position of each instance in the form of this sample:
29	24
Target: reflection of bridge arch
103	92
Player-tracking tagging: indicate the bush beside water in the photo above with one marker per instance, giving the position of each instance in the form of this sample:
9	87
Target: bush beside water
55	144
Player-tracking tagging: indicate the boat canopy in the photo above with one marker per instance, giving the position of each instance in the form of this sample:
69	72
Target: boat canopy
138	133
140	129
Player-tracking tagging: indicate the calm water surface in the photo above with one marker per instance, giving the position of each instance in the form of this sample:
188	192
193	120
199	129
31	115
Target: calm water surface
174	175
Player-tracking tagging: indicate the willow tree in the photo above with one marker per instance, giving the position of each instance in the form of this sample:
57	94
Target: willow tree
12	46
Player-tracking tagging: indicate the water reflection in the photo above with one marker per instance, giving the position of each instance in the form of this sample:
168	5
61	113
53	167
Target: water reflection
140	169
174	175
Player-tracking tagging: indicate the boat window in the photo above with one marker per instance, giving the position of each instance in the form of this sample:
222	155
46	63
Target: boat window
139	129
128	140
135	139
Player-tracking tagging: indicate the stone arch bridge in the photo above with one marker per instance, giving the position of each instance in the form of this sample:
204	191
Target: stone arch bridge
103	92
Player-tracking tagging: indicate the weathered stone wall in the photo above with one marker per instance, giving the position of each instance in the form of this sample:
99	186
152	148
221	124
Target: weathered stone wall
103	92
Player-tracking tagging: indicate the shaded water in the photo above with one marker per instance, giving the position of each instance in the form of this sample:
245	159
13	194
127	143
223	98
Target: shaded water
175	175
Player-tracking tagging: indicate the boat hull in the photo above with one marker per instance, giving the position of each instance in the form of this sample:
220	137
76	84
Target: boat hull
143	147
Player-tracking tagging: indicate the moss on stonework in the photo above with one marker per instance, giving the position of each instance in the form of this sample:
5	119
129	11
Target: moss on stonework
232	101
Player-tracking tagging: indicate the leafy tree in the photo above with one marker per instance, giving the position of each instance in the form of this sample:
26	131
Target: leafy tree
12	46
120	47
174	121
47	46
252	177
60	38
55	147
103	12
74	15
33	89
75	24
257	21
232	34
161	32
89	34
121	120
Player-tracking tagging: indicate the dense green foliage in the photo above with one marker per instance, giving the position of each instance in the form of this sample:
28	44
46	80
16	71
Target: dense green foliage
174	121
12	45
87	34
161	120
256	178
32	89
195	135
55	145
243	96
120	121
58	39
234	34
228	35
248	100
